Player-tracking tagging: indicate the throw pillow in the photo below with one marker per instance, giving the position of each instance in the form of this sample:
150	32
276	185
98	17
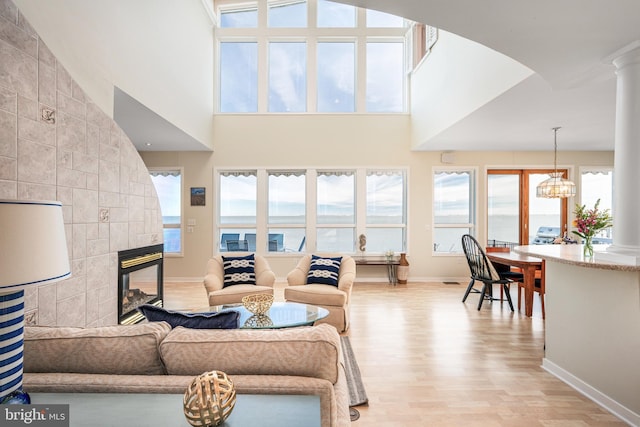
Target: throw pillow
215	320
324	271
239	270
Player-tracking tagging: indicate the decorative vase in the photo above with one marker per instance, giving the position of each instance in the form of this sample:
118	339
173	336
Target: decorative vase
403	269
587	248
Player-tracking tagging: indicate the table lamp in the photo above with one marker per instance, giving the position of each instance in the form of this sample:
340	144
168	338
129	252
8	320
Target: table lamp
33	251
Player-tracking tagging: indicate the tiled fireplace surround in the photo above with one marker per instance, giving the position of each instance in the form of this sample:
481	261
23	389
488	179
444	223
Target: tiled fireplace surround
55	144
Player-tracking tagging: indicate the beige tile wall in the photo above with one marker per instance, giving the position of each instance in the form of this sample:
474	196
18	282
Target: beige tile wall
83	160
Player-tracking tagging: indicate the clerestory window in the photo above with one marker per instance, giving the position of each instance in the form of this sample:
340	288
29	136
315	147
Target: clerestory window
313	56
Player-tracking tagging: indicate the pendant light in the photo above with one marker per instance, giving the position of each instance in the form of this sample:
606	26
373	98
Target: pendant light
555	187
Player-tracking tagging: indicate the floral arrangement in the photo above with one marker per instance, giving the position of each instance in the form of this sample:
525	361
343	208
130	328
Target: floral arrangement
588	222
389	254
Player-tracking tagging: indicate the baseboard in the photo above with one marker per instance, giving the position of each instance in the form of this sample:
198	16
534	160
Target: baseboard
183	279
621	411
372	279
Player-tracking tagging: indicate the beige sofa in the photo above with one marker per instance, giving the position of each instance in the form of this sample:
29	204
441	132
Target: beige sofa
153	358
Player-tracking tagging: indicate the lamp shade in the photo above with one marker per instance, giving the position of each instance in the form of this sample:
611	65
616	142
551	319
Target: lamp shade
33	245
556	187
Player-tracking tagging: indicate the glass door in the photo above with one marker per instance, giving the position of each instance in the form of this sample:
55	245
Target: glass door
545	215
515	216
503	208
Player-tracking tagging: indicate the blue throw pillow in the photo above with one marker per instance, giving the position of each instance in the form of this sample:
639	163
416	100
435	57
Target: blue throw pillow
220	320
239	270
324	271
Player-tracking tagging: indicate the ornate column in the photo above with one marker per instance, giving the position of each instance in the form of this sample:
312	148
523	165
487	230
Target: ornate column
626	189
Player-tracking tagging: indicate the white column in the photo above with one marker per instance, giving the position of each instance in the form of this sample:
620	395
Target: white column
626	187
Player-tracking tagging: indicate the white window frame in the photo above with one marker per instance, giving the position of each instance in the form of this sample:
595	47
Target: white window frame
362	224
595	169
313	209
179	169
237	226
262	226
473	209
312	34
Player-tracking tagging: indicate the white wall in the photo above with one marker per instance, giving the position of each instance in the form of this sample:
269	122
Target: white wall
113	50
284	141
458	77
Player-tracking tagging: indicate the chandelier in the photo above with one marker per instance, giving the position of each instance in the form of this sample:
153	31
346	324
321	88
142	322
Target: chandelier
555	187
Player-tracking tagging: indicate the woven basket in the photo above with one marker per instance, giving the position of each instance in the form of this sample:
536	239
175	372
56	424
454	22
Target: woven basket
209	399
258	304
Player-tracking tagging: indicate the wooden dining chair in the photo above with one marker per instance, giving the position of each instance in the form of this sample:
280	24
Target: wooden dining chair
482	270
539	287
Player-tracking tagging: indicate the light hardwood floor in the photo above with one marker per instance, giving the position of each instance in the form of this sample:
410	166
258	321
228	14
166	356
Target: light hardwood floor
427	359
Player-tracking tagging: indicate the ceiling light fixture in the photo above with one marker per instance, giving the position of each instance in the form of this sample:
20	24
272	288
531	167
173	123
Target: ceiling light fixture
556	187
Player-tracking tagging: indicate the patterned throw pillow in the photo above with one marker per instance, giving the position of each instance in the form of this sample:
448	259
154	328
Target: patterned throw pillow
239	270
324	271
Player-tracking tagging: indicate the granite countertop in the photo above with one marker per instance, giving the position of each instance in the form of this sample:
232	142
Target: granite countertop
572	254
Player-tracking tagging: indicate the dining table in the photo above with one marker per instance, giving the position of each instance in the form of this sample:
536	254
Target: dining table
528	264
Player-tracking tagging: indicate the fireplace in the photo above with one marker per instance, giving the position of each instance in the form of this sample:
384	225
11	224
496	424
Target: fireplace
140	281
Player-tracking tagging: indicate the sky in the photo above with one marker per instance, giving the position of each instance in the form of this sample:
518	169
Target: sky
336	195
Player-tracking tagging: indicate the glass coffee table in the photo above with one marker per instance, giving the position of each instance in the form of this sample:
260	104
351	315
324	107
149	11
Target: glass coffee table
280	315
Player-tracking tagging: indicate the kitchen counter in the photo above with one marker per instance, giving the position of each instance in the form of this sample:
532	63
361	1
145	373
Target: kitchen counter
592	326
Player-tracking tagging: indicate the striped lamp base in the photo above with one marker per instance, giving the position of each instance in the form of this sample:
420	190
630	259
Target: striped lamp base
11	342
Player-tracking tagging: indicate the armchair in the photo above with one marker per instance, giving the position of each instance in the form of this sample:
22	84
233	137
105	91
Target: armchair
335	299
218	294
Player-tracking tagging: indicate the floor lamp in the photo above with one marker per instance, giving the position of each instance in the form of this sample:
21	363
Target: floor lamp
33	251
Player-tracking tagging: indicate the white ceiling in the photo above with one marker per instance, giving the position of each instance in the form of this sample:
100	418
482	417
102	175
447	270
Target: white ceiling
522	118
566	43
147	130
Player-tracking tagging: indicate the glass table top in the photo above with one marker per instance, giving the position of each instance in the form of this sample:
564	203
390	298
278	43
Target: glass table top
280	315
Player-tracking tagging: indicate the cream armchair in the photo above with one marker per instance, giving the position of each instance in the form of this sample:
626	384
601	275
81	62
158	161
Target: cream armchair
334	299
214	281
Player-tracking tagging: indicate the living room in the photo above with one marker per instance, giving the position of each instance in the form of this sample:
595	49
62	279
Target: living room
76	162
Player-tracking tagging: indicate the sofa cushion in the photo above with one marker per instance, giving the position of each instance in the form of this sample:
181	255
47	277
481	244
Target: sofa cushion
306	351
212	320
324	271
233	294
239	270
321	295
122	349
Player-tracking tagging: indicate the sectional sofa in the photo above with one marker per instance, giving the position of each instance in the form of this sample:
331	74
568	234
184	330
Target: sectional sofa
154	358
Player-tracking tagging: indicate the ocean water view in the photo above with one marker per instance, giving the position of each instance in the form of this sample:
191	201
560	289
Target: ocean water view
379	240
331	236
500	227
